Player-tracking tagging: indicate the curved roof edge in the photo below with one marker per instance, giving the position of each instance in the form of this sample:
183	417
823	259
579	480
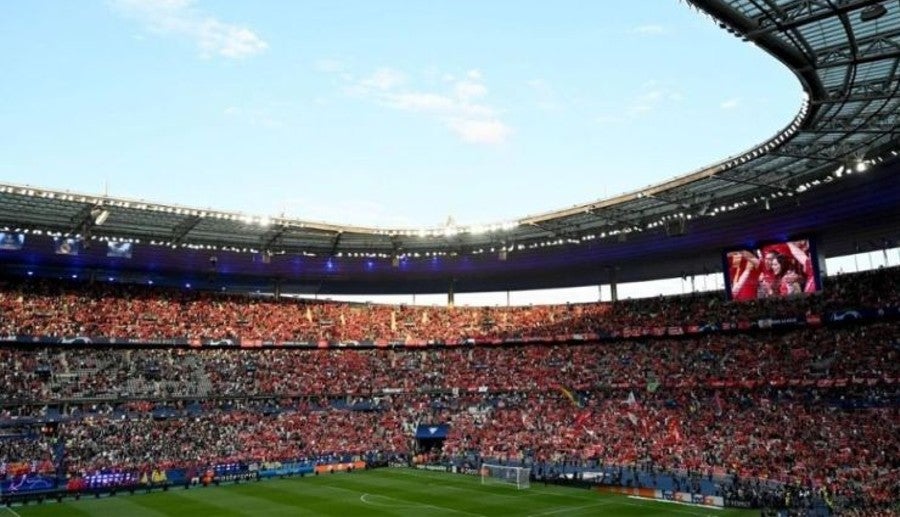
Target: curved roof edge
845	55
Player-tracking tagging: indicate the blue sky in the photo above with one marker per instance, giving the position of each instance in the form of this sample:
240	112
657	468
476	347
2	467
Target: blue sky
371	112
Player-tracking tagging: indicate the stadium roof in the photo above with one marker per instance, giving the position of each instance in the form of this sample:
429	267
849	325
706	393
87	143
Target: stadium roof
844	53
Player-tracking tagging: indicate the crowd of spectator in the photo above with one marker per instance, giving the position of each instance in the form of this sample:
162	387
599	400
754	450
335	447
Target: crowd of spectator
59	309
748	433
816	407
816	356
803	437
140	441
23	451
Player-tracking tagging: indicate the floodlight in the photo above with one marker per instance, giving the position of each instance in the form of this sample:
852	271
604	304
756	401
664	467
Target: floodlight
100	215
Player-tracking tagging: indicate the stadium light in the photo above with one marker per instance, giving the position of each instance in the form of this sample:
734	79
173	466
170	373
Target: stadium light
100	215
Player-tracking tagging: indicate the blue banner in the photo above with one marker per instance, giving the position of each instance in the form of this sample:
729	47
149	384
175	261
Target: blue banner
285	469
438	431
27	483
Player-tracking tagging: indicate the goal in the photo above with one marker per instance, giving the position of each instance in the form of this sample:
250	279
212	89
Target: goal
503	475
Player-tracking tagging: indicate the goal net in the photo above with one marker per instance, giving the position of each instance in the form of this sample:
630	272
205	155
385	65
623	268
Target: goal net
503	475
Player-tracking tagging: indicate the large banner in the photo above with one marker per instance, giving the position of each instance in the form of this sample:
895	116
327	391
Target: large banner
274	469
110	479
435	431
27	483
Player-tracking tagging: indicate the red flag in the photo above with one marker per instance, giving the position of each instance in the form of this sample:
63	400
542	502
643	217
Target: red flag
581	418
674	430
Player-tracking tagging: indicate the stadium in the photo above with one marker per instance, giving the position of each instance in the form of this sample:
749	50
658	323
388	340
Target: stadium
168	359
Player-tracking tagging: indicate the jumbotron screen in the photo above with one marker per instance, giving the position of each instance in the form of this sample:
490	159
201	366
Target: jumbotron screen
773	270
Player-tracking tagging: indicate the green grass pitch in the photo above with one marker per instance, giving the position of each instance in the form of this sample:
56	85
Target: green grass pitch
391	491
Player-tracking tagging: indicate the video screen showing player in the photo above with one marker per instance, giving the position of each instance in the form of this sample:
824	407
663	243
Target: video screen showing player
773	270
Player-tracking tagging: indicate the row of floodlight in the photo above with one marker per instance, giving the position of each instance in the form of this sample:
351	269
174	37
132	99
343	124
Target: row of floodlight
67	235
135	205
853	167
370	255
774	142
857	166
843	170
450	230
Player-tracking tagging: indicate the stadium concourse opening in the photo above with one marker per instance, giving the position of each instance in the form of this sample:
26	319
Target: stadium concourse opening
430	438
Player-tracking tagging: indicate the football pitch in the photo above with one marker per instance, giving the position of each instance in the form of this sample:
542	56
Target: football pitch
389	491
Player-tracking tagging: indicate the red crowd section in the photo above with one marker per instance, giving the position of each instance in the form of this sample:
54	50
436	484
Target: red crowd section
146	312
820	357
816	407
795	436
756	434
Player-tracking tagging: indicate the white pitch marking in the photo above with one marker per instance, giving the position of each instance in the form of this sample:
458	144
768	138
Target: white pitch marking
415	505
703	506
434	506
570	509
389	505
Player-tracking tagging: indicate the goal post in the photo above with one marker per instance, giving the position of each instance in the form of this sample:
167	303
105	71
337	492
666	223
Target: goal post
491	474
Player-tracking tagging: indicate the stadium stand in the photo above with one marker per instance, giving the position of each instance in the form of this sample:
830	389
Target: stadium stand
803	415
787	404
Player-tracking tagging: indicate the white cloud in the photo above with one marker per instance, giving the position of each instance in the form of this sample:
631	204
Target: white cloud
459	106
653	95
730	103
637	109
480	131
384	79
648	30
179	18
421	102
470	90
